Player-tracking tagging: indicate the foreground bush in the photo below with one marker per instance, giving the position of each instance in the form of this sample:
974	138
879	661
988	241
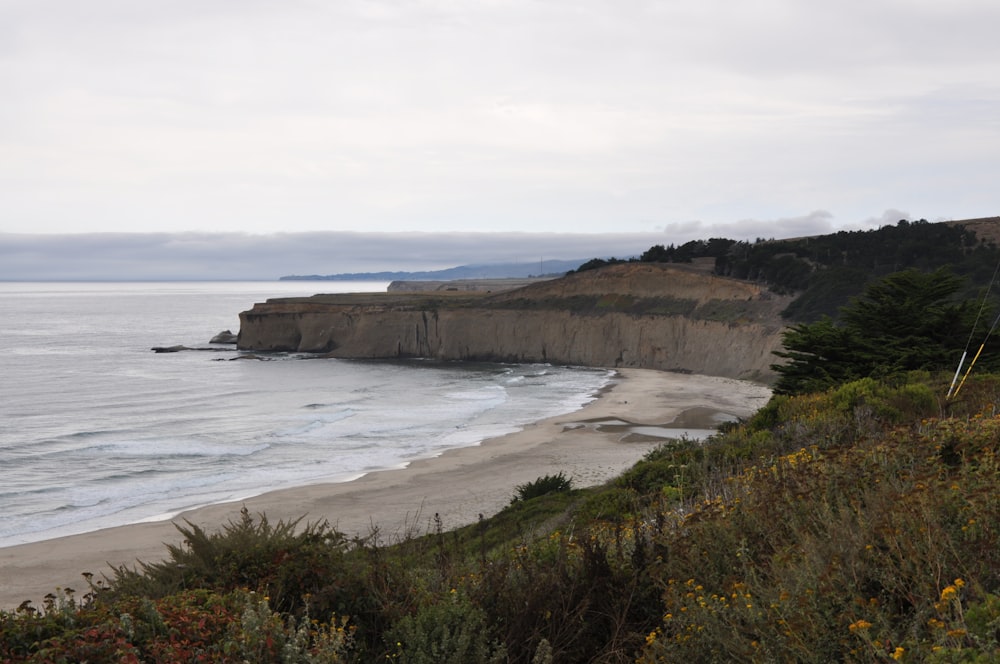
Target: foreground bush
285	561
191	626
865	552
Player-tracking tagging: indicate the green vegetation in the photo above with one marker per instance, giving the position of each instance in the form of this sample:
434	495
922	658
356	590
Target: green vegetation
826	271
855	524
867	543
542	486
908	321
243	555
597	263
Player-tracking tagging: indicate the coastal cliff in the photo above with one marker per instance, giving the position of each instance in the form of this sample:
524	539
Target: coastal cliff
644	315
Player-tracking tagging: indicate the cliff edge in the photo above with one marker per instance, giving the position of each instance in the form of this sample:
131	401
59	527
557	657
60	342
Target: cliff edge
643	315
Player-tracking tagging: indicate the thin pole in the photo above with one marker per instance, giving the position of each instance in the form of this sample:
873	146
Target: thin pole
968	344
981	346
951	388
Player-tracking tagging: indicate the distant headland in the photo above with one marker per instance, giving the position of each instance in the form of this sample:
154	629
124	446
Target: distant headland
543	268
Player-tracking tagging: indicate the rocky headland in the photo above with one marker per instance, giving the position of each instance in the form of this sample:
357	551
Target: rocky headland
638	315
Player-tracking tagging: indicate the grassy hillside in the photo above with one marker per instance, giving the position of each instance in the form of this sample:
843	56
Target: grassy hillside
858	524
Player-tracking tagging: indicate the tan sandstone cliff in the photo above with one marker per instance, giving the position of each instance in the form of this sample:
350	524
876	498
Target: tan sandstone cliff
633	315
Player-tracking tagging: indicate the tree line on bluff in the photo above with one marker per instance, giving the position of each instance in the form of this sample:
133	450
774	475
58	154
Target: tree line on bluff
826	271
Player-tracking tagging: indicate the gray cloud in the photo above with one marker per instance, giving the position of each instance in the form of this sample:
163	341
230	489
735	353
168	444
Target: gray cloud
244	256
205	256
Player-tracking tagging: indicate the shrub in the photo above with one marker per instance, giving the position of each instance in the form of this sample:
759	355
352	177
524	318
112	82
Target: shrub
542	486
614	504
451	631
282	560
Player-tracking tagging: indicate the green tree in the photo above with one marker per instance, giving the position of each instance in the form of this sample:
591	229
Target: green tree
657	254
907	321
819	355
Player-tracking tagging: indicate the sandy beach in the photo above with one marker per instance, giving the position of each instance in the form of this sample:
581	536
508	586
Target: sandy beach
459	485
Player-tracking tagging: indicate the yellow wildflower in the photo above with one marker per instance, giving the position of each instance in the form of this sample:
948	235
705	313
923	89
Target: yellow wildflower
859	625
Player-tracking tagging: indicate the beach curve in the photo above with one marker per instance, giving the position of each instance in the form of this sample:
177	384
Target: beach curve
458	486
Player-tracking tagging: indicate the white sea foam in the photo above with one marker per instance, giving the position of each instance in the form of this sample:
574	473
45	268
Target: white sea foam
99	431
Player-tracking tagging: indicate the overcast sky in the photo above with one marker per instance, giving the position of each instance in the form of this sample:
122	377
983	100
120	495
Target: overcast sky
673	119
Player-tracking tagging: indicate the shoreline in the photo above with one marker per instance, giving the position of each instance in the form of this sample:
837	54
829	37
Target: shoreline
458	485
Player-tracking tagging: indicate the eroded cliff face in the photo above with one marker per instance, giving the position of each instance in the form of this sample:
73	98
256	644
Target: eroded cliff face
656	317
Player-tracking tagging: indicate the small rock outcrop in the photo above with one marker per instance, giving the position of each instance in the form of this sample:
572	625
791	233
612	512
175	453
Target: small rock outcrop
224	337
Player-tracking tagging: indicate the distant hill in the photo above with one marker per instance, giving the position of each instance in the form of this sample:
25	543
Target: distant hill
549	268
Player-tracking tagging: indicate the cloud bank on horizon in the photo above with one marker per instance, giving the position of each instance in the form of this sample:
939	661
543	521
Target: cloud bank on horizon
405	116
244	256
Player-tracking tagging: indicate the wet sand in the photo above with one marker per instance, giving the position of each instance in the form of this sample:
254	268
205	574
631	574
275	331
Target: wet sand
591	445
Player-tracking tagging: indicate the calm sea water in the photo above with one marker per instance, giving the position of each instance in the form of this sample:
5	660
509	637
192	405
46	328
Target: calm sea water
96	430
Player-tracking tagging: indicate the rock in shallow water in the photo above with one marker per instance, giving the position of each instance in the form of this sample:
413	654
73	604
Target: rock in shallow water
224	337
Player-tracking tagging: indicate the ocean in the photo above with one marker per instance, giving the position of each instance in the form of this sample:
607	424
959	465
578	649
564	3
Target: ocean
96	430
